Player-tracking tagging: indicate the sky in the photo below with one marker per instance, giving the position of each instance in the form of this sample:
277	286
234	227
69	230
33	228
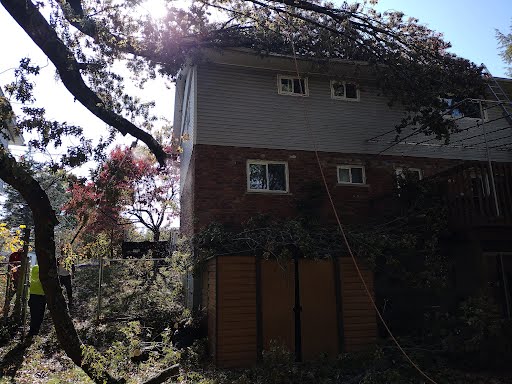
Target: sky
59	103
468	24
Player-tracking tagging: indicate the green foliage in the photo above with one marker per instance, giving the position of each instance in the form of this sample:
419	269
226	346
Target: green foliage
136	350
278	363
140	308
132	289
99	246
505	41
383	365
182	257
406	243
95	360
15	210
273	238
476	336
22	87
403	241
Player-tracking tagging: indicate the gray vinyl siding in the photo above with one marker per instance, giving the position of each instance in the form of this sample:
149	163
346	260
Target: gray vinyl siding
185	119
241	107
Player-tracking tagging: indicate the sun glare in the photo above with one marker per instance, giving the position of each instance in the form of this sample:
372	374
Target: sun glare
155	8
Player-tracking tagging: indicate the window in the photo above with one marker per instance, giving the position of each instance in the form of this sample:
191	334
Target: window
463	108
344	90
351	174
414	172
267	176
289	85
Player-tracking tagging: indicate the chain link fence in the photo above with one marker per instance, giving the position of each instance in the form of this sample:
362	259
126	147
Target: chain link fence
114	290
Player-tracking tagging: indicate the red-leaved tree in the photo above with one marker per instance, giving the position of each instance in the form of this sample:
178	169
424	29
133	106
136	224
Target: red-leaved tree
128	188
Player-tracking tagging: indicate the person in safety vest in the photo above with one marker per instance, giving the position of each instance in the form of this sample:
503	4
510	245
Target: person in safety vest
36	302
14	275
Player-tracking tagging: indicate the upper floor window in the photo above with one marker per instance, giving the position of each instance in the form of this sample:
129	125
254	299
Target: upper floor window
267	176
344	90
414	172
351	174
290	85
461	108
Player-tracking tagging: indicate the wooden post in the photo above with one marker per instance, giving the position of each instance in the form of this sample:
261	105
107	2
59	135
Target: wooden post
26	286
7	301
100	278
259	313
20	288
297	309
339	303
25	301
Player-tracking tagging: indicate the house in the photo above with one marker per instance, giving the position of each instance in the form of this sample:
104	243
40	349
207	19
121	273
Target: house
9	136
250	127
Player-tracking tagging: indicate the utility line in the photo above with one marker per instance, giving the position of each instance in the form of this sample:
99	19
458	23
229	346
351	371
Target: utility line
401	140
500	146
488	141
480	134
416	132
394	129
477	125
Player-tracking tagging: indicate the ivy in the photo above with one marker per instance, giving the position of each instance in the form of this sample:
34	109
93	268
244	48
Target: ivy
392	243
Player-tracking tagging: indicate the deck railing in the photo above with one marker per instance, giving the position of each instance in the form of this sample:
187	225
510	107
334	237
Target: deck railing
475	196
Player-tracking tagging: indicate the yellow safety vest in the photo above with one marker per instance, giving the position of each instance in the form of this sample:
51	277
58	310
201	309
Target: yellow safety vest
35	284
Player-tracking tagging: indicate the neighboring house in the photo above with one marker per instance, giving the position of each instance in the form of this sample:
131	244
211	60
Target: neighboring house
9	137
250	127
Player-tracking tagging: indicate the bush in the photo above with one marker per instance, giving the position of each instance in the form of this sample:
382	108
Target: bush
477	337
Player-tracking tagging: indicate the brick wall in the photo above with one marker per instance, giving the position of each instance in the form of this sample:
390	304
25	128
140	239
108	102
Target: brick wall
220	184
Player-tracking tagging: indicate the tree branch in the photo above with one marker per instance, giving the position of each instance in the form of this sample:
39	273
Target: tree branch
35	25
164	375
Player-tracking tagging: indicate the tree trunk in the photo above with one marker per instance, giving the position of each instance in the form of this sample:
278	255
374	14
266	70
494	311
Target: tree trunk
156	235
44	223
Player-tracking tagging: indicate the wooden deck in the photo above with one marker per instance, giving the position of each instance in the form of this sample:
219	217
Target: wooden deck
469	191
472	193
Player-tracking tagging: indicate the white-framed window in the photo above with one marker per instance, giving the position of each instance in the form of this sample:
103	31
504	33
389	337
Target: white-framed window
267	176
344	90
467	109
292	85
351	174
415	172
